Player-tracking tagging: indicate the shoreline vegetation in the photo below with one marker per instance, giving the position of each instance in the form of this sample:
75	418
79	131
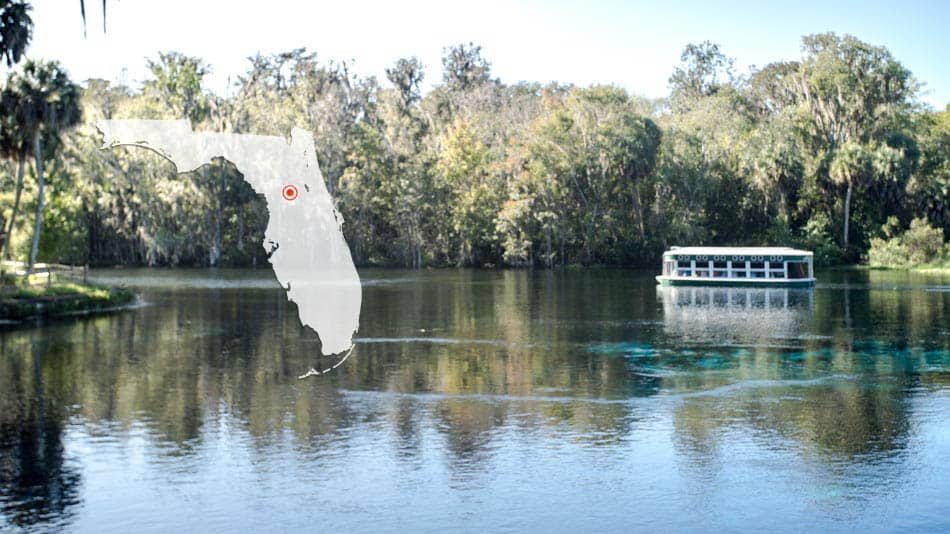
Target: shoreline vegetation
935	268
50	292
920	248
833	153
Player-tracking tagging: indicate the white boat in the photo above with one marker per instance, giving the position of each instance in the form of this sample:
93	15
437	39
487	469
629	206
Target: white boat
737	266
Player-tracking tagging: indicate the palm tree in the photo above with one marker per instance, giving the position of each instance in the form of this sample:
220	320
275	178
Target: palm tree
49	102
82	12
13	144
16	29
851	165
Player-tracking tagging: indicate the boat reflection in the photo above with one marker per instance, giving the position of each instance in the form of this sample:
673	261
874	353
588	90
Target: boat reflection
735	314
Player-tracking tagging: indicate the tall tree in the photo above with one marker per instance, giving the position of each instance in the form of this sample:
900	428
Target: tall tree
82	13
474	193
853	95
16	30
406	75
176	85
463	67
851	164
15	143
49	103
703	71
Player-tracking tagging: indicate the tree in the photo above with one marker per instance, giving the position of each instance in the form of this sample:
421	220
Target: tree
16	30
853	91
703	71
48	104
851	164
584	168
854	96
474	192
82	12
406	75
176	85
816	152
930	185
463	67
15	143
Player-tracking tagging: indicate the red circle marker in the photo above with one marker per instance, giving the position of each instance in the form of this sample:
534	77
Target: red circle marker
290	192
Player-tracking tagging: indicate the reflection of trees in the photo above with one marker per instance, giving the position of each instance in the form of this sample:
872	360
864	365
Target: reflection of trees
859	420
198	355
520	349
879	344
841	421
37	484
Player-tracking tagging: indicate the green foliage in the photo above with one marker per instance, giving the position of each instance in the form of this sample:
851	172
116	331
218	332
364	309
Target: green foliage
16	30
39	103
816	236
61	298
920	245
463	67
474	195
929	186
924	243
817	153
175	87
704	70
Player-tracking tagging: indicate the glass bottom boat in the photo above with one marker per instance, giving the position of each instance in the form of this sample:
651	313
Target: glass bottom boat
737	266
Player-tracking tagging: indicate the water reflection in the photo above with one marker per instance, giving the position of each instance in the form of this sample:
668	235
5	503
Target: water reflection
740	315
37	483
572	392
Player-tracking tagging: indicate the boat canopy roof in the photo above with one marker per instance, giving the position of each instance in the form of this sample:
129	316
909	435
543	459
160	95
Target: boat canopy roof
767	252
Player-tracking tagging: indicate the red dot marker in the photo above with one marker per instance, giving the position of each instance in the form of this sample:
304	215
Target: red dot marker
290	192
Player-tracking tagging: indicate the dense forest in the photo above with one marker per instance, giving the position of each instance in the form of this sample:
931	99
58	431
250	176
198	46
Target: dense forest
834	153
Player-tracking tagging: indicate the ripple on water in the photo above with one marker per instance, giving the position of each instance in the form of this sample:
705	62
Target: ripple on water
441	341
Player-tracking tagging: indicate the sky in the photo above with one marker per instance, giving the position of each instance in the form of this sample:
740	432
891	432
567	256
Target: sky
634	45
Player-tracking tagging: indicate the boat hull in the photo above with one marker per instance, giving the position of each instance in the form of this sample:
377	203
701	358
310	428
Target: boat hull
735	282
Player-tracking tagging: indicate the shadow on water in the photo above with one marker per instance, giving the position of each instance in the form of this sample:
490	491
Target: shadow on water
38	485
463	383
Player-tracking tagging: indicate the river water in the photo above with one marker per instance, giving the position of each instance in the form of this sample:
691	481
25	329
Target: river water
485	401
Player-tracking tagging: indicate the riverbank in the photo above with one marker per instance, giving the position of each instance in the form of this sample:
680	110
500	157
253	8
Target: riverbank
60	298
927	268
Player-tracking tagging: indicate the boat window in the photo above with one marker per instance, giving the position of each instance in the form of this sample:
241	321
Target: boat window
683	268
757	265
719	264
738	274
797	269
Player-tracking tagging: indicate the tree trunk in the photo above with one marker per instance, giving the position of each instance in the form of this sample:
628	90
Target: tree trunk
218	215
638	206
240	230
548	250
5	253
589	239
38	223
847	212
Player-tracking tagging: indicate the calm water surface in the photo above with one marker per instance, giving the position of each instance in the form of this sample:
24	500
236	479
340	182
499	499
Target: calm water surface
486	401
